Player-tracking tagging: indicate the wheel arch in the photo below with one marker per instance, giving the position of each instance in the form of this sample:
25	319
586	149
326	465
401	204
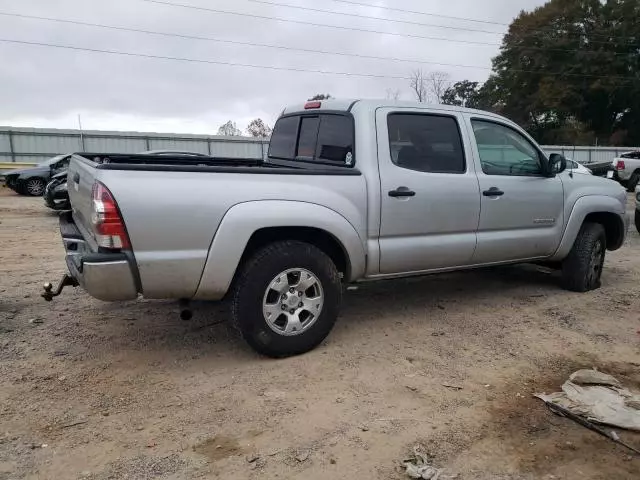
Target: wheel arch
598	209
317	237
248	226
613	227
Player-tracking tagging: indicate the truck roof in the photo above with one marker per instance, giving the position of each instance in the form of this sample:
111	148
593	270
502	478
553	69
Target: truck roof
344	105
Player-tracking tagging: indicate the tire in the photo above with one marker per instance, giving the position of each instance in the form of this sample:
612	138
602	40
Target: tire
637	220
260	290
633	181
34	186
582	269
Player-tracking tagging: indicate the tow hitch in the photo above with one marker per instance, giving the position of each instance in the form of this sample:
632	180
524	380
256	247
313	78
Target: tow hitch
65	281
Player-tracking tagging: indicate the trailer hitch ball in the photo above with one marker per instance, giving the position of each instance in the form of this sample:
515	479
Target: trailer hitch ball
66	281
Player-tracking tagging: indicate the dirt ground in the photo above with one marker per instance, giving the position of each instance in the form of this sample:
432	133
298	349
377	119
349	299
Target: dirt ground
127	390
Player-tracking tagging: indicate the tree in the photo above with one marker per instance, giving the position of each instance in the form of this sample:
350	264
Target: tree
570	70
437	84
418	84
462	94
429	87
320	96
230	129
257	128
393	94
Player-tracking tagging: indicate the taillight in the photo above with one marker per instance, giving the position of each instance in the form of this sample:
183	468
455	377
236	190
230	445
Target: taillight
620	165
108	225
312	105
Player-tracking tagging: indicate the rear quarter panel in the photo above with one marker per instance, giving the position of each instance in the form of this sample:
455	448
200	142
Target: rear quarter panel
172	217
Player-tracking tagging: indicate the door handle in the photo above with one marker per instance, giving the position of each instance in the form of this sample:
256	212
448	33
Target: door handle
76	177
493	192
402	192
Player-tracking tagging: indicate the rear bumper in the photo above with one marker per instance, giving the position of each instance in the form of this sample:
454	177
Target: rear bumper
621	176
616	176
105	276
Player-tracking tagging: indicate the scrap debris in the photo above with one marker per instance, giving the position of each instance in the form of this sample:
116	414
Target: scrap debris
420	467
590	397
450	385
600	398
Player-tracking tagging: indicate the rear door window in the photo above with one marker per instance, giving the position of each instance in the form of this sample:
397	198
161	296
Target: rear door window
426	143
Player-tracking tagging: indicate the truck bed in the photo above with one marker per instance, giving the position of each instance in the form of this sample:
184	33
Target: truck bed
185	163
173	207
598	168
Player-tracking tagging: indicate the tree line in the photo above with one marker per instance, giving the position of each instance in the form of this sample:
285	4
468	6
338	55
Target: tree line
568	72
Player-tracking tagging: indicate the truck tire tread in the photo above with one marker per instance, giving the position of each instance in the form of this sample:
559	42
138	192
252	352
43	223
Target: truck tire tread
253	279
633	181
575	267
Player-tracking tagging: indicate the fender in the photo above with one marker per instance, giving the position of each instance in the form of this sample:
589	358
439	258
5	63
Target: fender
244	219
583	207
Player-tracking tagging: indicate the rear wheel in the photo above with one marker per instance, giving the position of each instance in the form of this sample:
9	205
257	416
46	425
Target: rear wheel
286	298
34	186
633	181
637	220
582	269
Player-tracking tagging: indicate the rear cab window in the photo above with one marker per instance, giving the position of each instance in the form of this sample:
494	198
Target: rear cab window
323	138
283	138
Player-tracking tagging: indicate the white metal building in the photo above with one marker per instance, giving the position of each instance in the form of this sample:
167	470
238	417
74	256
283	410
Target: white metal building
34	145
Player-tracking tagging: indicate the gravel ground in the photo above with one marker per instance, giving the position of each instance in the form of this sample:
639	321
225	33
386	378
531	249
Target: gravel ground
127	390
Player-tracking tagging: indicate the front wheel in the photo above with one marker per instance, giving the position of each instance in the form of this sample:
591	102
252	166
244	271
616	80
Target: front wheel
286	299
34	186
637	220
582	269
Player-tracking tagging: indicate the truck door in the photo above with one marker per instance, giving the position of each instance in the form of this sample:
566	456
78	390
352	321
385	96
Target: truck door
430	199
522	209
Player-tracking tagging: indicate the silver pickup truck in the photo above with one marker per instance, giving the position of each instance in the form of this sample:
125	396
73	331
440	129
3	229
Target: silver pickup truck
351	191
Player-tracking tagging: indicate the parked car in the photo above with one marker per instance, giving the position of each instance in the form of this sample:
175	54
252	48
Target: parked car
332	205
56	195
576	167
32	181
626	170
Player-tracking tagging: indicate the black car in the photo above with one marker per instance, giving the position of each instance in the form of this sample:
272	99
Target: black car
56	195
32	181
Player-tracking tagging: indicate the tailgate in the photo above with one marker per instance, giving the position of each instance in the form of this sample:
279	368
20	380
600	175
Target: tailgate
80	180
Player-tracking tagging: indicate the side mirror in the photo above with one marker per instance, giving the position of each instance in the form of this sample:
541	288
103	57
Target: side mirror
557	164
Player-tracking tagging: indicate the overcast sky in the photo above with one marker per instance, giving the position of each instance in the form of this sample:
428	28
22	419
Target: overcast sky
49	87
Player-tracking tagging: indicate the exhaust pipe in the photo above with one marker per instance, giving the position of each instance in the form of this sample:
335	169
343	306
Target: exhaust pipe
185	310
